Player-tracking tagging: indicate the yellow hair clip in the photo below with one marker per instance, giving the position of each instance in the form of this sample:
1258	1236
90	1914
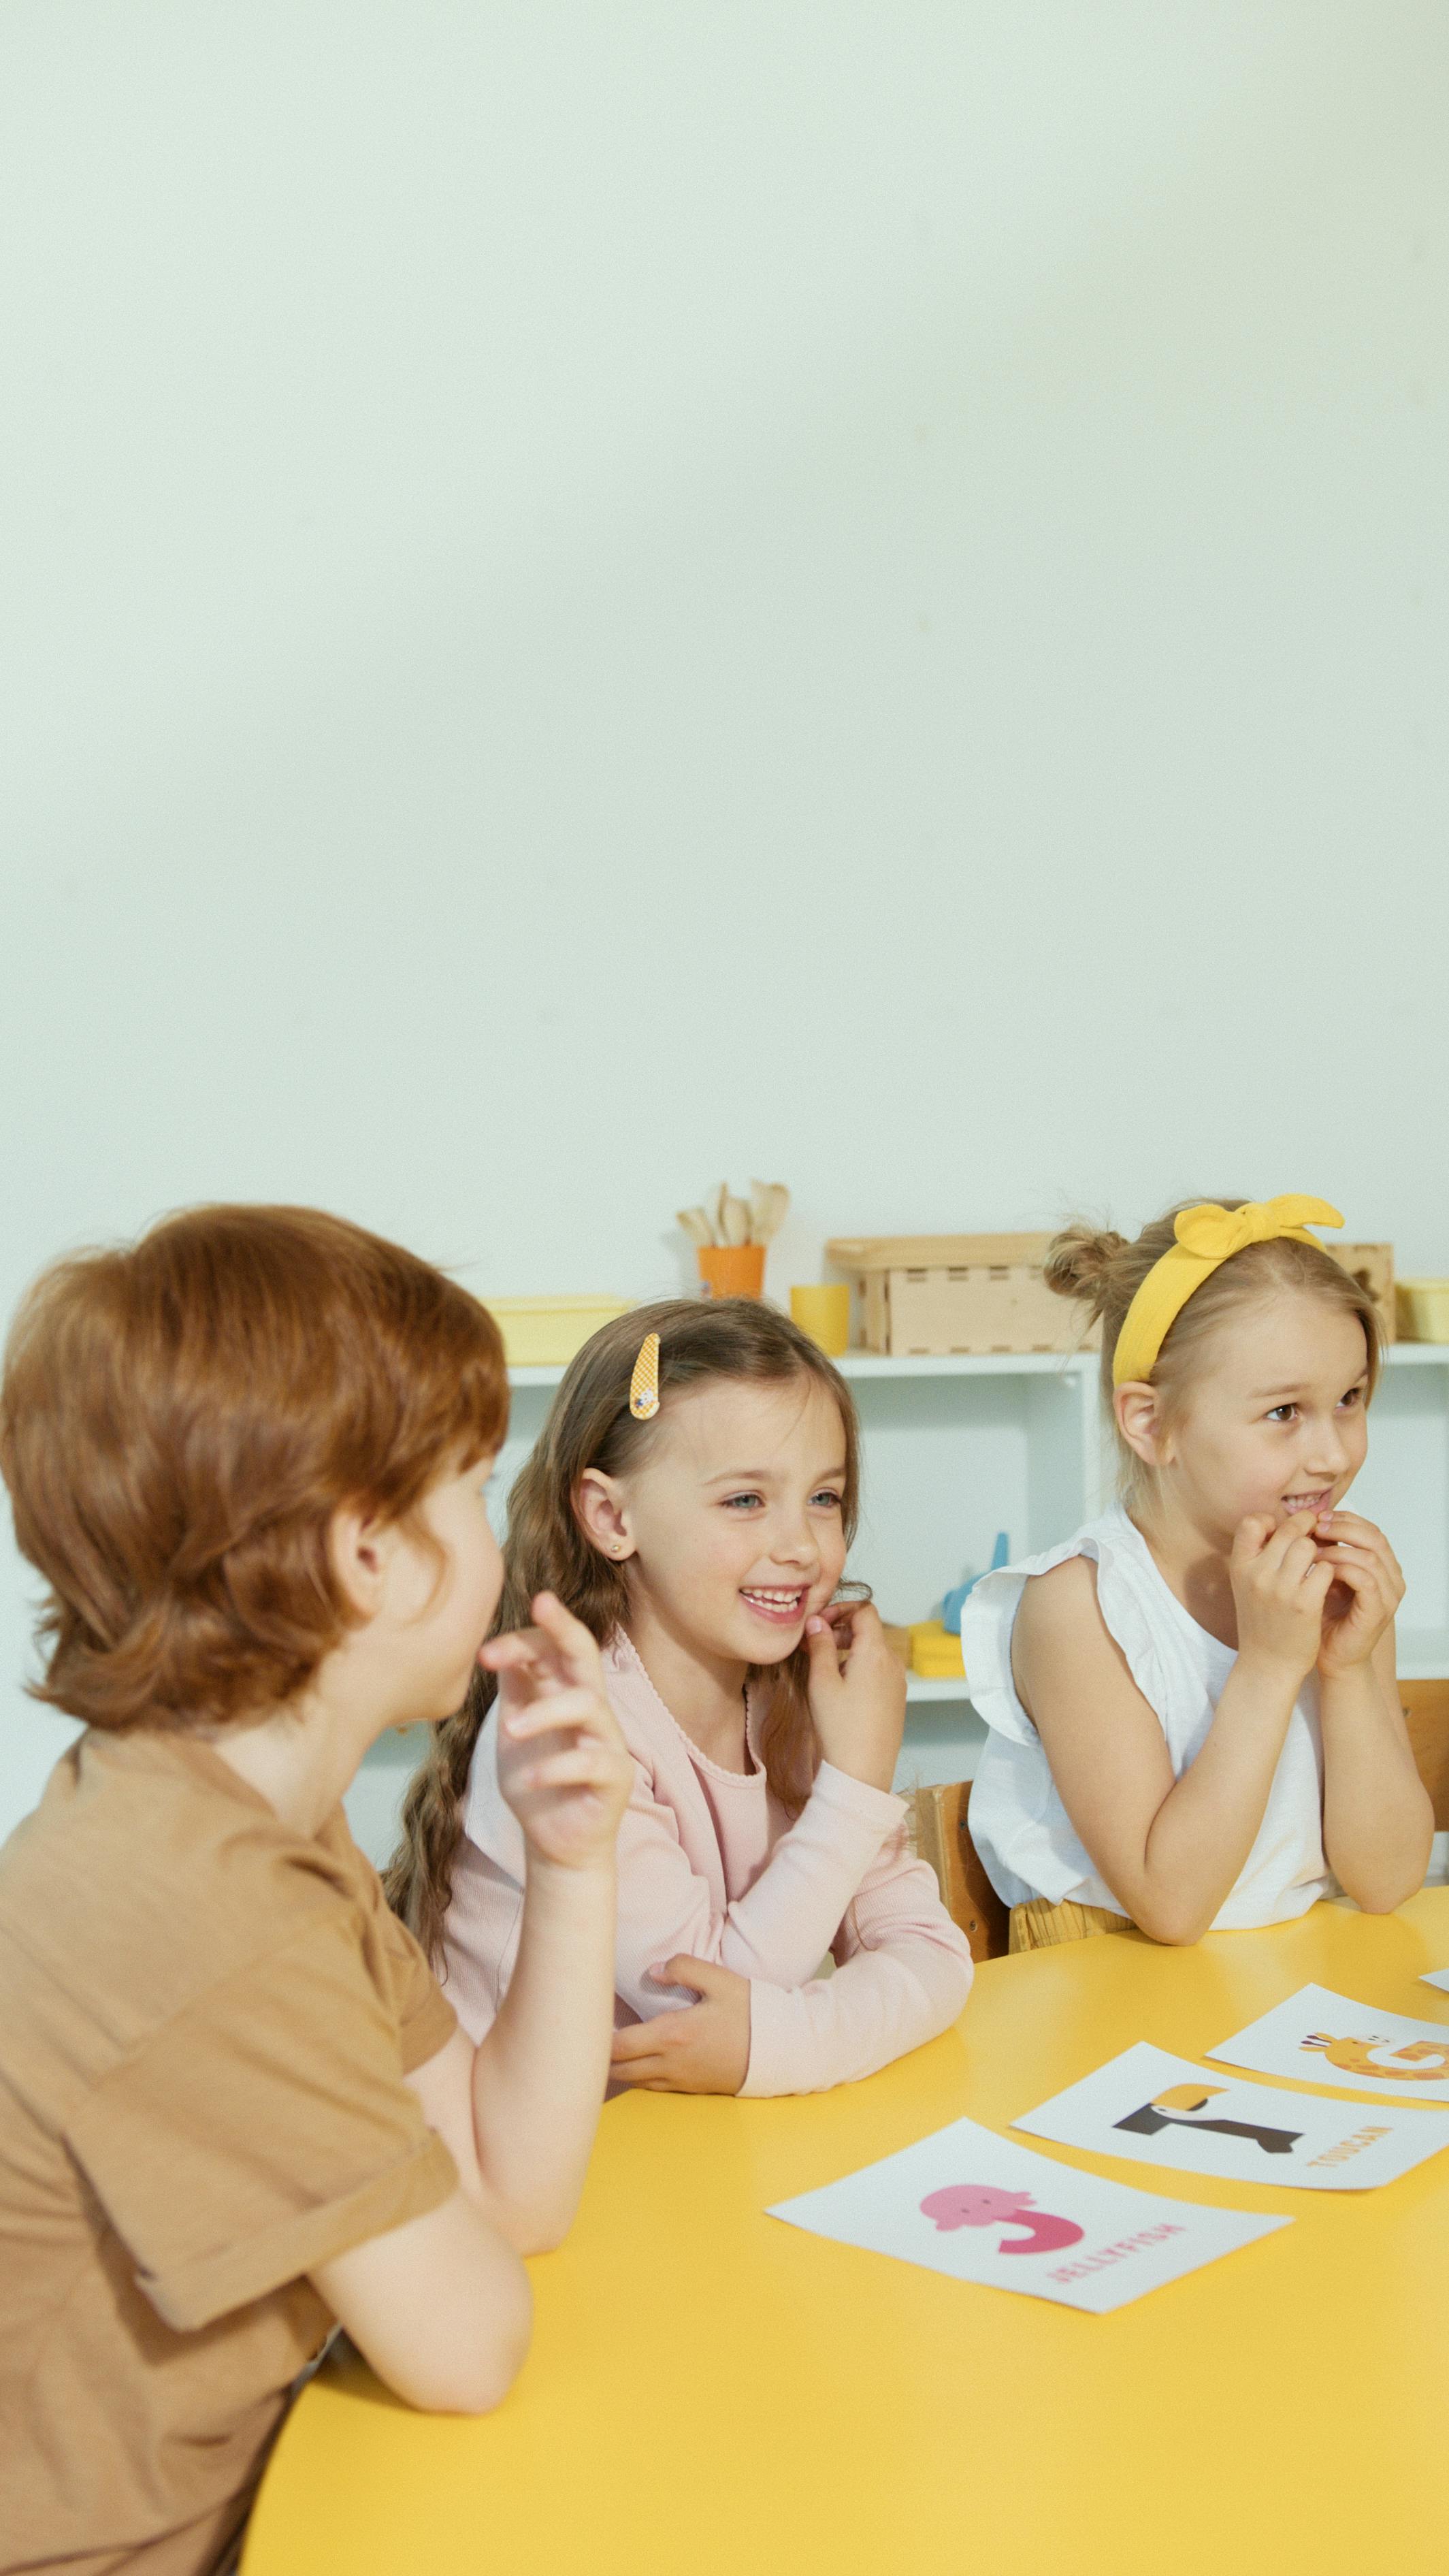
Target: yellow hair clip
644	1384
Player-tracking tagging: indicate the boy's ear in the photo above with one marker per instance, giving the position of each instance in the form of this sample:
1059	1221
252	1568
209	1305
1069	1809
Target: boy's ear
1138	1408
603	1515
360	1549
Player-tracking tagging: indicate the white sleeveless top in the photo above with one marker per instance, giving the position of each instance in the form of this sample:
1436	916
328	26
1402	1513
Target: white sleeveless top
1018	1822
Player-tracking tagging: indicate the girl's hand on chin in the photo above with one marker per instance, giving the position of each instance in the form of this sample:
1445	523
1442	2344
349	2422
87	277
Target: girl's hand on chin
857	1693
1279	1588
563	1765
1367	1588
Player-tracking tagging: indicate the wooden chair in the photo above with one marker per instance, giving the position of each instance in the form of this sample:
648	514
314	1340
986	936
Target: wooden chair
1426	1714
943	1838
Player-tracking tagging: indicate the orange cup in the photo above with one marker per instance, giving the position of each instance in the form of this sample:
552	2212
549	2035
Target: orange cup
732	1269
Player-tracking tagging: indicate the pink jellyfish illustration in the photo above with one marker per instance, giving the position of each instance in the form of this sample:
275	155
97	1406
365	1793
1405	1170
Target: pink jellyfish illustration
979	2204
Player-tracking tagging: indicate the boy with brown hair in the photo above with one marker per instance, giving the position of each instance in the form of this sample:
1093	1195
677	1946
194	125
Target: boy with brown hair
247	1455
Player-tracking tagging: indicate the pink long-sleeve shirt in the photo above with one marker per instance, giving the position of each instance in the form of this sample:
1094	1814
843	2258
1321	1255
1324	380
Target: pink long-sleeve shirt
709	1864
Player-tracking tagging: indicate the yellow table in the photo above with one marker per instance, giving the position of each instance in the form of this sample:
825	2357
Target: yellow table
711	2393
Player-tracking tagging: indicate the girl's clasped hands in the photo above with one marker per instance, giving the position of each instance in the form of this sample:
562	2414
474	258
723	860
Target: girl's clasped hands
1315	1589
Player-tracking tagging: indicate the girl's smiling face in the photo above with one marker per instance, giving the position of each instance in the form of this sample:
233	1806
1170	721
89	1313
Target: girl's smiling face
1276	1422
732	1525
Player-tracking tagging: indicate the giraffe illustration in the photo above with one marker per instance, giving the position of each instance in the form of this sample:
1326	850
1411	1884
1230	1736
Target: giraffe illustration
1422	2061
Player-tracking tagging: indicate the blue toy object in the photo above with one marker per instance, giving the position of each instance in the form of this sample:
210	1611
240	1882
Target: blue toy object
951	1606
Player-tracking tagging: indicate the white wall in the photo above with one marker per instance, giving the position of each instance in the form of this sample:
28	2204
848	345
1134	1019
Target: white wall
600	597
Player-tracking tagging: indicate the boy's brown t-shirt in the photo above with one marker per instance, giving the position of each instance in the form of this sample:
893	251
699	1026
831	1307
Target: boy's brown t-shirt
205	2021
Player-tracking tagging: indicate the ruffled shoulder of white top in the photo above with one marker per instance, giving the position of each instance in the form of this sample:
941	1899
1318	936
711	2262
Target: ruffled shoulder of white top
1125	1580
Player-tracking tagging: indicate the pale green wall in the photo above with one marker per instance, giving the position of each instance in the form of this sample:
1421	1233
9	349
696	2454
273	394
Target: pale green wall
598	597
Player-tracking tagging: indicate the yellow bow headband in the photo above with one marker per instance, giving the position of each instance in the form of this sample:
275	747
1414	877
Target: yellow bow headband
1207	1236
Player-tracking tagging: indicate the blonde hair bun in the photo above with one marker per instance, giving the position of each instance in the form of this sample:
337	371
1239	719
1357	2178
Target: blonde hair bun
1080	1262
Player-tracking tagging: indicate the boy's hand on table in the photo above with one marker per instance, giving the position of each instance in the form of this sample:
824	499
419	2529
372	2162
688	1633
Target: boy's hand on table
563	1765
703	2049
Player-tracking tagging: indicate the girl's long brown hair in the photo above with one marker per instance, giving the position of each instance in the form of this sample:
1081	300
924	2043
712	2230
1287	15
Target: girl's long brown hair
546	1550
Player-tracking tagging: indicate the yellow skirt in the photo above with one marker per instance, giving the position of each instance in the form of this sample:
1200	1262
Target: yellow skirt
1040	1926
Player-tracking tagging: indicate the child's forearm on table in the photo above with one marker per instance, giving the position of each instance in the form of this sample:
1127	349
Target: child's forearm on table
1201	1835
540	2071
1378	1823
783	1924
834	2030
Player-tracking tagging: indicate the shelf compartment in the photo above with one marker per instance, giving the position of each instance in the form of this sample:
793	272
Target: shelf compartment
1075	1364
870	1364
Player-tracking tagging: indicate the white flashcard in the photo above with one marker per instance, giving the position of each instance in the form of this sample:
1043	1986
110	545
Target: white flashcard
980	2208
1322	2038
1158	2110
1436	1977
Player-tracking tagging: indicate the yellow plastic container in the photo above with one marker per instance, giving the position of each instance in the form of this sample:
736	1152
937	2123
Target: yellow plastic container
824	1313
935	1652
1423	1310
545	1332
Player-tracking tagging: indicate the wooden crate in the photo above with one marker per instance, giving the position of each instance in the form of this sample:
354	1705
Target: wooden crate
931	1295
1372	1265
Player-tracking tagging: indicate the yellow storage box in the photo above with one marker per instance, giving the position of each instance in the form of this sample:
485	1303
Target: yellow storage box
545	1332
1424	1310
935	1652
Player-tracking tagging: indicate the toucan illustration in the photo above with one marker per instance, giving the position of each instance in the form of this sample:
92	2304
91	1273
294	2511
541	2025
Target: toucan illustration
1175	2108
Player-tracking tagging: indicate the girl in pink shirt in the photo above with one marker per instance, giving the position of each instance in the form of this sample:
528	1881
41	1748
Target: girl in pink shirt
702	1543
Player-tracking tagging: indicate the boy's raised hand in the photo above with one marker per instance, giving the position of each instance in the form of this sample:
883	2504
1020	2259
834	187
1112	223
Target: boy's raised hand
563	1765
1367	1588
857	1692
1279	1589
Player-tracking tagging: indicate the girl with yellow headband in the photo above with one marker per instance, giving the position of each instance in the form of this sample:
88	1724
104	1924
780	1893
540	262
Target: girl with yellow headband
1193	1716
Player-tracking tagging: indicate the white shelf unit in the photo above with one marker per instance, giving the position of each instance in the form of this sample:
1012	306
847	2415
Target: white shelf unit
958	1448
